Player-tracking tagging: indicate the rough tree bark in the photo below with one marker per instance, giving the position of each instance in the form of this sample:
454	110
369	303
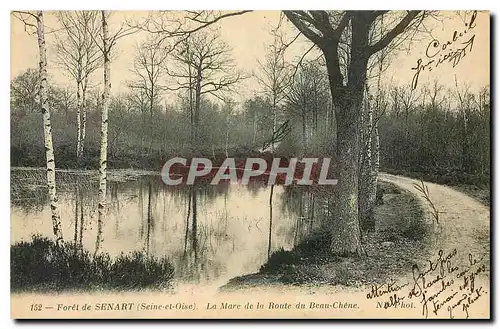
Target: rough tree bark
347	96
346	232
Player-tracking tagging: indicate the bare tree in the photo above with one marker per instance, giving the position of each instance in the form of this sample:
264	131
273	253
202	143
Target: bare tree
408	99
228	110
434	92
465	98
25	91
275	75
202	66
35	20
305	95
79	55
148	68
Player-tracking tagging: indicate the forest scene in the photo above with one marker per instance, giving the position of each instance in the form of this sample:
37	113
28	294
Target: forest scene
102	99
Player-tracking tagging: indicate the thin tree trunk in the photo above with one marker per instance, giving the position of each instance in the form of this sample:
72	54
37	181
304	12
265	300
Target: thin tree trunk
304	133
78	121
77	209
141	211
270	222
187	222
254	129
375	166
82	222
365	174
150	220
313	201
151	104
84	118
197	110
227	139
195	225
274	121
191	111
47	133
104	136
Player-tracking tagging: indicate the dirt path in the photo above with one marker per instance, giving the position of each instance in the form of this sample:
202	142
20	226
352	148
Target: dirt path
464	223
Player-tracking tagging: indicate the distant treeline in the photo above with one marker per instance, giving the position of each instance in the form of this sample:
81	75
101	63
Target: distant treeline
139	137
439	137
442	136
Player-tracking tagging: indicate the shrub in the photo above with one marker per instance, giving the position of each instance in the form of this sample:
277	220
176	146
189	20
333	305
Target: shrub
41	264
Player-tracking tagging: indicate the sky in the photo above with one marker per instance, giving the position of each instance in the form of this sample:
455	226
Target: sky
248	36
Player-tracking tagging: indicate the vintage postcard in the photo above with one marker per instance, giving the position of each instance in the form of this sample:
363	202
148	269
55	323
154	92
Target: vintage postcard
250	164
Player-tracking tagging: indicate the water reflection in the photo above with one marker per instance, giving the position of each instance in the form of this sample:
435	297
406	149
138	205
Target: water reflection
208	232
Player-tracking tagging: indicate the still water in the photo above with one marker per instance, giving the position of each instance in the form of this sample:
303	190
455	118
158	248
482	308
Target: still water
209	233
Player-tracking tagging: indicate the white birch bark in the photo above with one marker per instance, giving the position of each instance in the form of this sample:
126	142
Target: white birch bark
104	135
47	132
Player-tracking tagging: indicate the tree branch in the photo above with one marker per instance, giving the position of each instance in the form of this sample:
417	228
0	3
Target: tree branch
397	30
297	20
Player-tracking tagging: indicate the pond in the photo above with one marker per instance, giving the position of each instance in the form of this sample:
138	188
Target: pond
210	233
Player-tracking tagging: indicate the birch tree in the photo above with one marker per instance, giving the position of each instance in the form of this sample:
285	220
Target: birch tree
106	44
103	158
35	20
79	56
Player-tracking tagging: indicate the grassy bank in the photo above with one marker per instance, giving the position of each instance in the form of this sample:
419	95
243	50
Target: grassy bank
41	265
398	242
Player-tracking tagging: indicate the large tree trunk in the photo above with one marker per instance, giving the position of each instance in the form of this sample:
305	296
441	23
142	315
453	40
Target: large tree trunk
104	135
346	232
47	133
